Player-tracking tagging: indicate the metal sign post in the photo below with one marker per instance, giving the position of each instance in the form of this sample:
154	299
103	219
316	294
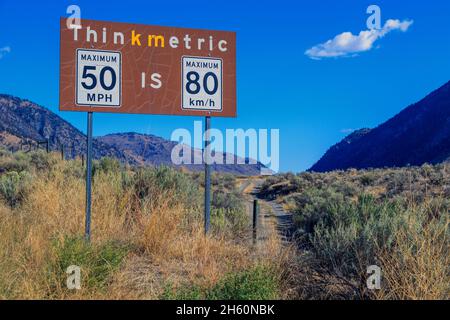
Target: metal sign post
88	178
112	75
207	174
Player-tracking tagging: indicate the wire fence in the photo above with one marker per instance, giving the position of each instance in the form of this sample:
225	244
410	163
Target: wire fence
66	151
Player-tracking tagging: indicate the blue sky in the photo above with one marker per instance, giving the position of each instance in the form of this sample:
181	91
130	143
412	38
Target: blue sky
312	102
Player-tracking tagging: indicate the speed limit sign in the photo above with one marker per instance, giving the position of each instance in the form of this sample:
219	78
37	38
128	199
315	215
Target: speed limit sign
99	78
201	83
131	68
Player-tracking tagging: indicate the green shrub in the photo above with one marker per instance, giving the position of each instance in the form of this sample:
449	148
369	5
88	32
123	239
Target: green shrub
18	162
75	169
150	182
367	179
347	239
257	283
42	160
312	206
223	181
127	180
97	263
14	187
348	220
4	152
184	292
223	220
227	200
106	165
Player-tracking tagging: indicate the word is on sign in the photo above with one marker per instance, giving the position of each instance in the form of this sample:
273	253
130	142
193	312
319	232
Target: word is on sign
131	68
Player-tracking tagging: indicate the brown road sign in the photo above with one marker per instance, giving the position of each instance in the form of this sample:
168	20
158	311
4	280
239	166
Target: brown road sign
133	68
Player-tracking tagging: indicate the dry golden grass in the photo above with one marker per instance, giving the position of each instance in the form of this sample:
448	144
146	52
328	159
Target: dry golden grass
414	259
418	269
168	245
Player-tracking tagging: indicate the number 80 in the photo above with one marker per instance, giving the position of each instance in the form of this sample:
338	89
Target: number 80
193	81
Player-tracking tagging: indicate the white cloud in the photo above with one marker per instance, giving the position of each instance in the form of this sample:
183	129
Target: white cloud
4	51
347	44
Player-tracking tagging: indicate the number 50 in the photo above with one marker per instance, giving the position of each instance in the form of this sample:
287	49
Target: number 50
93	78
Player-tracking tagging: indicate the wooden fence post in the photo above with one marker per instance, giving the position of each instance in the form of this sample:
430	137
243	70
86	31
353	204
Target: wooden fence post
255	220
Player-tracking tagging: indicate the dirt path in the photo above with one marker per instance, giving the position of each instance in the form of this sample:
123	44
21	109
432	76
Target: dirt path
284	220
271	213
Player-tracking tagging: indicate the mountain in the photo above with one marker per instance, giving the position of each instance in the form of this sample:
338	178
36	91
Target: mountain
23	121
152	150
419	134
26	120
142	148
